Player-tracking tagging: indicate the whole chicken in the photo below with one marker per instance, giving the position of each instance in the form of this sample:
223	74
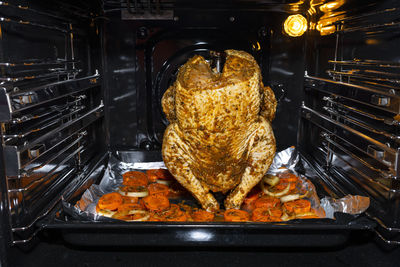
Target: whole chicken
220	136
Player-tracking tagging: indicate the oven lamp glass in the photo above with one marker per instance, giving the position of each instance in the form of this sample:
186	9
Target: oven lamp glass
295	25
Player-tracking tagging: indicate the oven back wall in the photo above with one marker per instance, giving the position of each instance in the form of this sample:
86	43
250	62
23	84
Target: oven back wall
142	59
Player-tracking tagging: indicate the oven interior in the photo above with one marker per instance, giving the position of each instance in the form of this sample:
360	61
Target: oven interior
81	80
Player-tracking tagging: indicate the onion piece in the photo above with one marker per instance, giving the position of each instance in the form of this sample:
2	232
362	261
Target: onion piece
164	182
306	214
290	198
106	213
144	193
286	217
271	179
305	195
144	218
278	194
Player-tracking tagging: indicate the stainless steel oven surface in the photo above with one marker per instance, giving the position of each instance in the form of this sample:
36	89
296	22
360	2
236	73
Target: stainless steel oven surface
81	82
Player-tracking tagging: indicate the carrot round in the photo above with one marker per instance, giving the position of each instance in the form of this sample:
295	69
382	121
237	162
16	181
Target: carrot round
283	183
266	215
234	215
126	199
136	215
175	214
297	206
155	174
252	195
312	215
135	178
267	202
158	189
110	201
249	207
156	202
156	217
288	176
202	216
130	206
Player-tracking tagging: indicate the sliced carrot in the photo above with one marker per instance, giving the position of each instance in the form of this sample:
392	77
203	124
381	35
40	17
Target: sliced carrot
297	206
175	214
130	206
110	201
249	207
252	195
302	206
234	215
283	183
202	216
158	189
288	176
141	203
156	202
135	178
156	217
266	215
267	202
156	174
310	216
126	216
126	199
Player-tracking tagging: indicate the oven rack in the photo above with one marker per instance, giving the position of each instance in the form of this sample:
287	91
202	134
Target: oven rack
383	98
45	124
376	150
367	63
53	167
73	10
35	96
348	168
377	134
38	62
379	173
18	156
367	23
365	168
333	101
393	79
25	233
46	112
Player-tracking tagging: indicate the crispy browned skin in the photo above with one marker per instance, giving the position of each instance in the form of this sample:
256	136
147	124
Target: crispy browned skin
220	137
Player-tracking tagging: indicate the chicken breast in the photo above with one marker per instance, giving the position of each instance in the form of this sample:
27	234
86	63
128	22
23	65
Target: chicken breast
220	136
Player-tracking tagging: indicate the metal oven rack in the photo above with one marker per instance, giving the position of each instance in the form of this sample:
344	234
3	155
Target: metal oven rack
50	108
354	127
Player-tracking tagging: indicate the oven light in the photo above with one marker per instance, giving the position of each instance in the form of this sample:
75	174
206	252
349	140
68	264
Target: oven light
295	25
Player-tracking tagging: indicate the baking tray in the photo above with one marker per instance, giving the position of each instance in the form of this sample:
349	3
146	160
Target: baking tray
313	233
295	233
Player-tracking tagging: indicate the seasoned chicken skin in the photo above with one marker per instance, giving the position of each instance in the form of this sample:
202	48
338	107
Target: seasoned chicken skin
220	136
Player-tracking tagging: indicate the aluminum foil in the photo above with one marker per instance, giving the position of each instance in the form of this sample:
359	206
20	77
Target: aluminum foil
286	160
348	204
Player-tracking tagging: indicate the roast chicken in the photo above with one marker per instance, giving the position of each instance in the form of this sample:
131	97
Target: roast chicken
219	138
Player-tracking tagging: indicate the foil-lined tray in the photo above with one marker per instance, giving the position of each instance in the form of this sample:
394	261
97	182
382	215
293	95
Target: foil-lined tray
286	160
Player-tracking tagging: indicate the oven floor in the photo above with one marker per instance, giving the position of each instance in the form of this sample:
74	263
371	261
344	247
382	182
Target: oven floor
359	251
